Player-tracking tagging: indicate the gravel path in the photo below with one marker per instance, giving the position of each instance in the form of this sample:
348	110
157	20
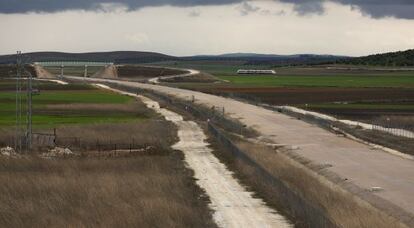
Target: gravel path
233	206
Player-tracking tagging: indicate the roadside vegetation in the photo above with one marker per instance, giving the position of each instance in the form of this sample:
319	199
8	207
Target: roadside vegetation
133	191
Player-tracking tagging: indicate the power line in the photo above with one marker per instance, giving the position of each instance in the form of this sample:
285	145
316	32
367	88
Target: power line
23	134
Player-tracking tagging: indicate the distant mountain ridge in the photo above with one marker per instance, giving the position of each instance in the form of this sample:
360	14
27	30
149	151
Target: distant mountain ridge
115	56
400	58
125	57
257	59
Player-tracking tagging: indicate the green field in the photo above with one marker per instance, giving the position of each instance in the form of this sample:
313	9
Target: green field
49	107
299	76
321	81
362	106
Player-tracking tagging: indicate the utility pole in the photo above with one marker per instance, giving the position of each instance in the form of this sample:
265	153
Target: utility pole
29	112
22	133
18	133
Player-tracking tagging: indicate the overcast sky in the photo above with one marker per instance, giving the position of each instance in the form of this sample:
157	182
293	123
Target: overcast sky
191	27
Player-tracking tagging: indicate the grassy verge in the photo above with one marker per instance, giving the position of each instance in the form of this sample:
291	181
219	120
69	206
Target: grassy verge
139	191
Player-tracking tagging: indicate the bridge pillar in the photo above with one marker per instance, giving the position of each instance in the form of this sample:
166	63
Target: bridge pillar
85	74
61	70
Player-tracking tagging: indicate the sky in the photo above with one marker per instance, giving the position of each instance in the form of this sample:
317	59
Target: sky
195	27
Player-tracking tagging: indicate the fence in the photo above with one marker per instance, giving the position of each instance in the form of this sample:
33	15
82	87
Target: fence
76	143
393	127
44	141
297	205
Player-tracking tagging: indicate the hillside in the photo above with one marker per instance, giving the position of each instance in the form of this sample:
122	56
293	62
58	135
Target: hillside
259	59
400	58
116	56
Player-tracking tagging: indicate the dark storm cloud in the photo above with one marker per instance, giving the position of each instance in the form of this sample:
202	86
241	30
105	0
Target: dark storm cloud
378	9
23	6
373	8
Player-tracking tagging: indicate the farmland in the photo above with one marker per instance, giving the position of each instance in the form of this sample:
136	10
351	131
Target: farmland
49	105
79	111
371	81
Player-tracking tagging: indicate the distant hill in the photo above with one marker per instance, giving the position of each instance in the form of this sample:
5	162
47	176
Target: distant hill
116	56
399	58
257	59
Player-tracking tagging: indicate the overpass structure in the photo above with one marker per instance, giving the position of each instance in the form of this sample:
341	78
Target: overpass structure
63	64
71	63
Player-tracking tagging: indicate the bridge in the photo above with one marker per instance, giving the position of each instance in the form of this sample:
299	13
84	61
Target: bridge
63	64
71	63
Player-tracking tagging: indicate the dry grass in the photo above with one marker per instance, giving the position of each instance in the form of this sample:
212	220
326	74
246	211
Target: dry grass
159	133
339	205
144	191
130	107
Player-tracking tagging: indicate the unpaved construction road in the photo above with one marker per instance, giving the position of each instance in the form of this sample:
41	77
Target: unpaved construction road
191	72
232	205
360	164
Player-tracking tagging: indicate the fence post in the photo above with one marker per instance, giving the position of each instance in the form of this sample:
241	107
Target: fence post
55	136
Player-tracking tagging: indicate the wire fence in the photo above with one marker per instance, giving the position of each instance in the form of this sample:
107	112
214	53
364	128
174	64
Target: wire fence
393	127
77	143
45	141
299	206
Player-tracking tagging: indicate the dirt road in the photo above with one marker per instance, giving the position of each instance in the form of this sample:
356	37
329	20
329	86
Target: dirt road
191	72
233	206
355	162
